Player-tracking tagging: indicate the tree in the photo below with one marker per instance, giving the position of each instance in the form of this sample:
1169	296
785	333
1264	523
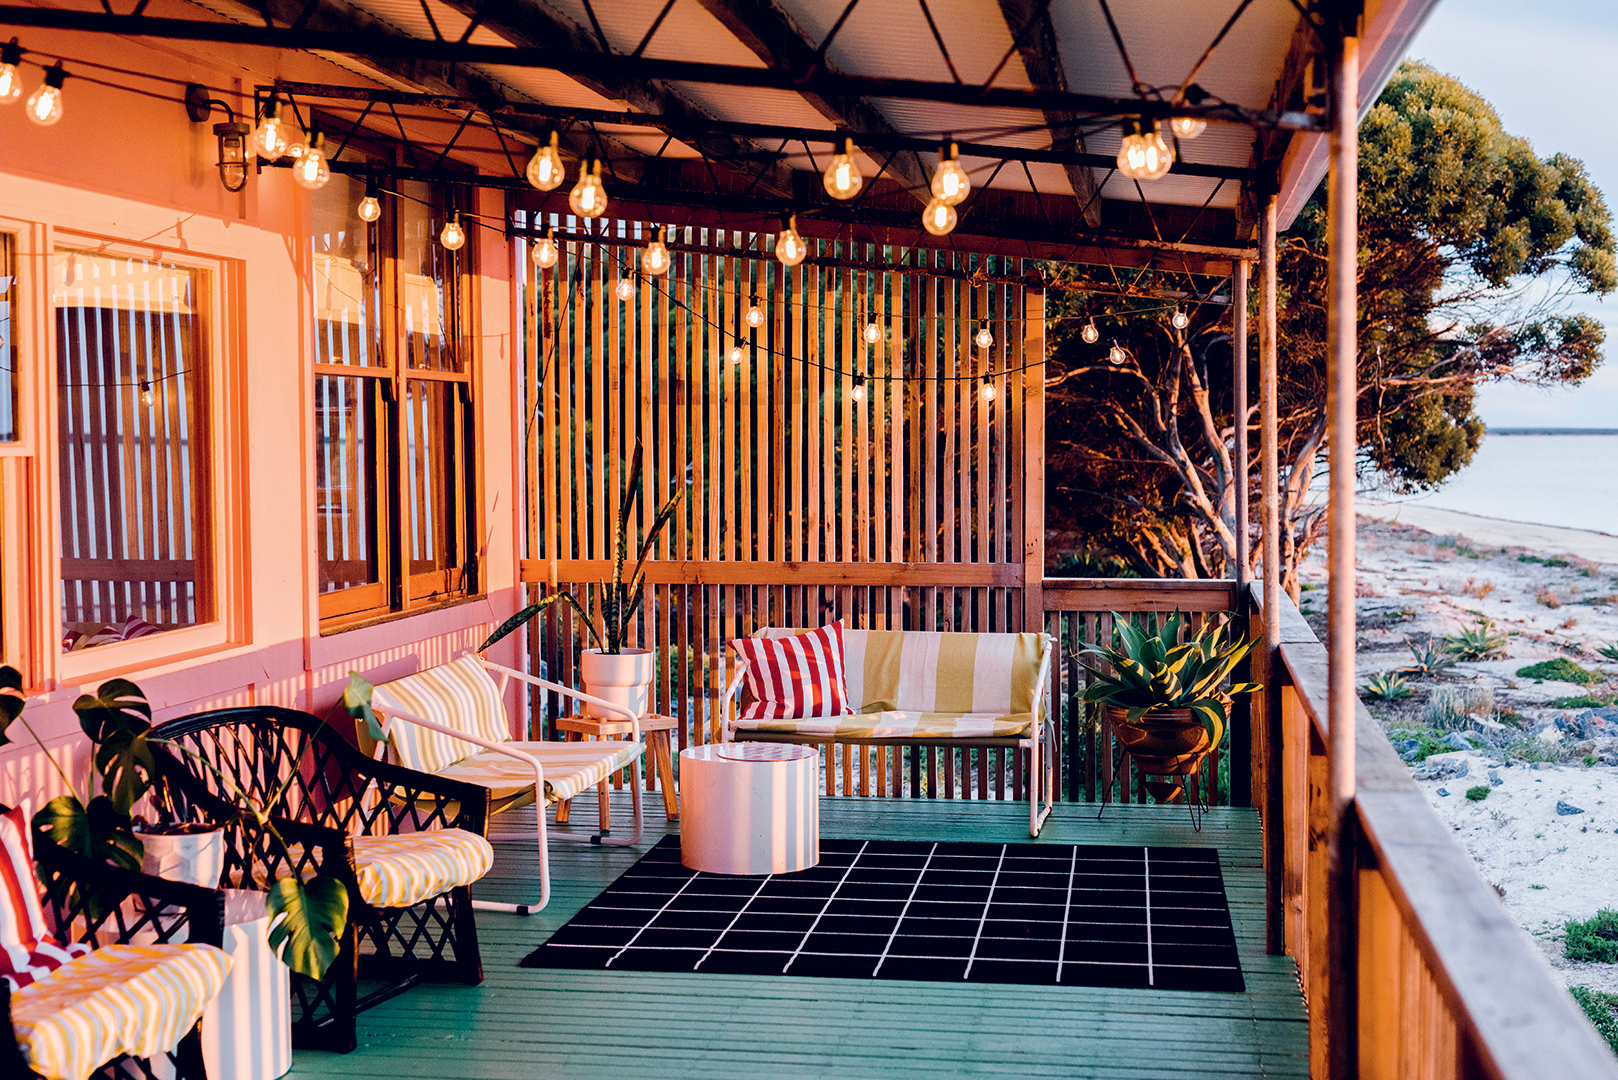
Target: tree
1471	248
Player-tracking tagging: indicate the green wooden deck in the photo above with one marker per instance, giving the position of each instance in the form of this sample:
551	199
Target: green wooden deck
525	1024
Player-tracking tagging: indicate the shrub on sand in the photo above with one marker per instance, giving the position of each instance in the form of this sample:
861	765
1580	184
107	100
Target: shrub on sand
1427	660
1547	598
1387	686
1593	939
1559	670
1479	642
1477	794
1602	1010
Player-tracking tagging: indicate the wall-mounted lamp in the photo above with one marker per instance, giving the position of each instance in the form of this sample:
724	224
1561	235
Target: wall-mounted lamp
232	135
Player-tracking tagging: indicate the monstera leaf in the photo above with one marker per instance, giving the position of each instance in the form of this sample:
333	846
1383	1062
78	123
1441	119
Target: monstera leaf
11	700
357	700
100	832
118	719
309	917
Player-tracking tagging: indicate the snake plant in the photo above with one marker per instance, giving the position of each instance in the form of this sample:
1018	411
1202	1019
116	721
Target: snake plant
1150	668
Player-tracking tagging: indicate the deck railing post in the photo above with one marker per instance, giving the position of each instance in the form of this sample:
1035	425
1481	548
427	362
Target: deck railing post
1342	232
1241	728
1270	535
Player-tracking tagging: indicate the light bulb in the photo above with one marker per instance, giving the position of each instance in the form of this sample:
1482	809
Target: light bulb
843	179
625	289
1116	354
755	314
988	390
1144	155
873	332
274	138
454	236
1188	127
939	218
370	209
589	197
858	390
950	182
10	77
655	259
984	338
545	253
45	106
736	354
789	246
545	167
1090	333
1179	320
311	171
146	397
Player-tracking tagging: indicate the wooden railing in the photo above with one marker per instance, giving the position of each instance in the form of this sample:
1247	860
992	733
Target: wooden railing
1445	982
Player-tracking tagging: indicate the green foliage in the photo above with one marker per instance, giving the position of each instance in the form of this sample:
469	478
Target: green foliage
357	702
1479	642
1559	670
1453	709
1601	1009
1593	939
1151	668
1609	651
1478	793
1584	701
1427	661
1554	560
310	918
1090	564
1386	686
11	699
620	598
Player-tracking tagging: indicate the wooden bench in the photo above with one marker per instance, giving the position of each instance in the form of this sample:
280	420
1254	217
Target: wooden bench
916	687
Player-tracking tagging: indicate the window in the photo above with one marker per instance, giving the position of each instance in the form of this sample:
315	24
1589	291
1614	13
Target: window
393	397
133	431
10	370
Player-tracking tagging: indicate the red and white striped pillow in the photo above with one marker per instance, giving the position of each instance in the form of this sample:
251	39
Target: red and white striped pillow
27	950
797	677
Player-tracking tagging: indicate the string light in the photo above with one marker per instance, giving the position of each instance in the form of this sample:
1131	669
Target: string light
146	397
370	209
1090	333
873	332
755	314
1188	127
1179	320
985	337
655	259
939	218
858	390
454	236
545	251
1144	155
736	353
1116	354
273	139
789	246
311	171
950	183
10	77
988	389
545	167
588	198
625	289
45	105
843	179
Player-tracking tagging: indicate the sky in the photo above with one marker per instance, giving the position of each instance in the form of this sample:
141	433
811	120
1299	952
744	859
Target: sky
1550	68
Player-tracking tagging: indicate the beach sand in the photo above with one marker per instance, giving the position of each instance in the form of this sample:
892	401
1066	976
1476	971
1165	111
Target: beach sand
1554	592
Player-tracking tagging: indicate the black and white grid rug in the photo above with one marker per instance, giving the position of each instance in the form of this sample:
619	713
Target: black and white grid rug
993	913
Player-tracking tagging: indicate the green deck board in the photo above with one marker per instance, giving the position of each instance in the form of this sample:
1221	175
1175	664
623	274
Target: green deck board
523	1024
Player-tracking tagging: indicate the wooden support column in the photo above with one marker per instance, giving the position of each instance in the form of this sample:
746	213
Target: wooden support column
1270	531
1033	351
1241	728
1342	349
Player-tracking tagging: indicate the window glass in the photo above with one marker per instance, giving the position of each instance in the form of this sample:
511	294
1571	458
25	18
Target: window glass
10	376
348	328
132	427
347	415
426	271
431	482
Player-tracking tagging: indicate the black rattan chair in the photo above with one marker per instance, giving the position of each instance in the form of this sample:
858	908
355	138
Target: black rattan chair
320	791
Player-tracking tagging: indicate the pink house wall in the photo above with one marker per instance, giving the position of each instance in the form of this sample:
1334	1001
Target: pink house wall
131	169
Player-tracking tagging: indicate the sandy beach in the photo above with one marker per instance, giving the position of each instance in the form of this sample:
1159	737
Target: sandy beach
1545	749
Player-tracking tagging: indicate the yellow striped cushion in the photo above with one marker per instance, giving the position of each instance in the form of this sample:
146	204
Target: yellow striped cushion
398	871
570	767
894	724
120	999
459	694
917	671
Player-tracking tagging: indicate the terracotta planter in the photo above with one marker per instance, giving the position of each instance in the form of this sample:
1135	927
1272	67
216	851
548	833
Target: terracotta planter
195	856
1164	742
623	679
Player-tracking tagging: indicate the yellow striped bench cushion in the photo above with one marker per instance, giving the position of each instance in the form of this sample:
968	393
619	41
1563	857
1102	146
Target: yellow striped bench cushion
918	671
460	695
120	999
398	871
570	767
895	724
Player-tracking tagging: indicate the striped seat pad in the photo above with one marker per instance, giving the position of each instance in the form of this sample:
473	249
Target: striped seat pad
120	999
459	695
398	871
898	724
570	767
914	671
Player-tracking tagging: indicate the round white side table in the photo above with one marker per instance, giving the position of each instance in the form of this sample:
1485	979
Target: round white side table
749	807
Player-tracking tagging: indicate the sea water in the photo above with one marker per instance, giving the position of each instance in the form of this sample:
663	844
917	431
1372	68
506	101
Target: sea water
1570	480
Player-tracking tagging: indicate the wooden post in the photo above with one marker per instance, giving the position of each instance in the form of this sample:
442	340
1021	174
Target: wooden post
1270	485
1342	268
1034	460
1241	728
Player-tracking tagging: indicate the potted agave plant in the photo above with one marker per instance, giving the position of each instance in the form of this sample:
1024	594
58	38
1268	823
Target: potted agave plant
1163	696
612	670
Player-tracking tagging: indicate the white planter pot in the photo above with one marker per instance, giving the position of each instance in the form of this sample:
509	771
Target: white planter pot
624	679
194	858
